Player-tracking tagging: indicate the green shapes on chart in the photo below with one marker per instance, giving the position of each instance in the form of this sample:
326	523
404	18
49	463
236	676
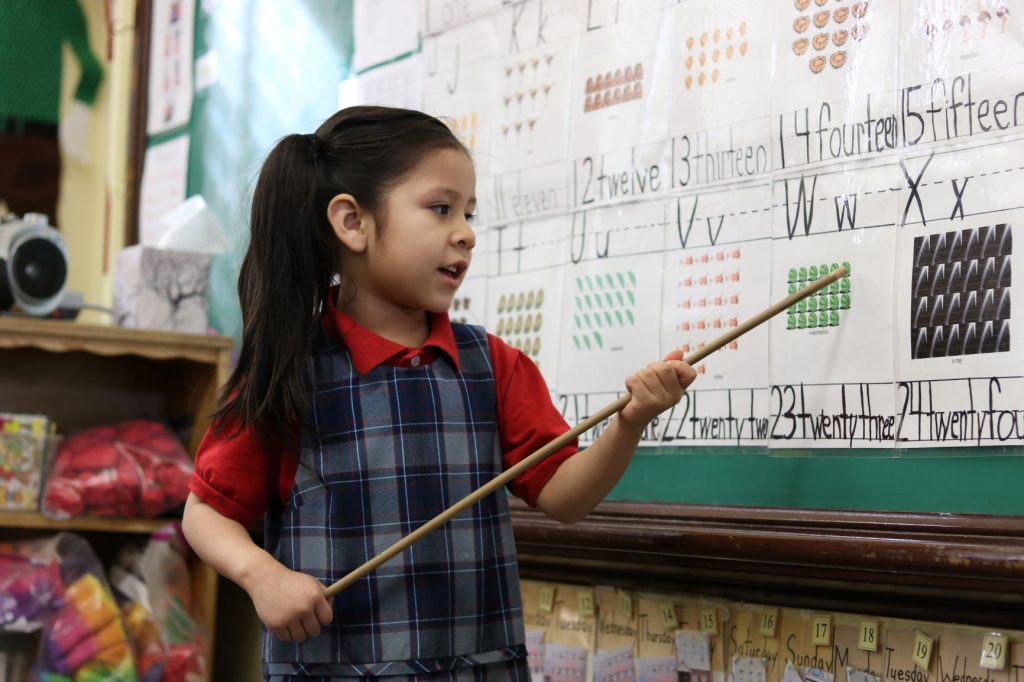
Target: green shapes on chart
611	282
802	276
844	302
801	306
577	318
600	282
586	342
622	280
833	318
597	318
844	285
833	302
598	340
590	304
608	318
791	321
632	278
629	316
618	316
579	303
576	341
622	299
812	272
833	288
586	318
834	267
823	319
597	297
590	284
630	296
849	270
579	283
792	288
792	276
801	321
608	298
812	304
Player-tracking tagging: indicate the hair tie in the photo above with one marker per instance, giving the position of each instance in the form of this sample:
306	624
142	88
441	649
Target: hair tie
315	145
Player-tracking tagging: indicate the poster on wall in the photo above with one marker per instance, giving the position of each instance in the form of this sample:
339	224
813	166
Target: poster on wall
170	65
831	353
717	268
164	178
721	92
960	361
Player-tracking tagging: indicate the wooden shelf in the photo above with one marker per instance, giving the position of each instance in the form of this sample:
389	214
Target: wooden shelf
84	375
10	519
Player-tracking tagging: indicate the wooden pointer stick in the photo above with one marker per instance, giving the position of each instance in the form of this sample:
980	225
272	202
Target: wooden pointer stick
557	443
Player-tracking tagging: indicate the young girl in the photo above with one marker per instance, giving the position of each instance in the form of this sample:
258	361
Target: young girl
358	412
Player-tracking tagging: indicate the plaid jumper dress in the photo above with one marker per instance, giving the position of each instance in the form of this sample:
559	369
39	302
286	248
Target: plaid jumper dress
386	452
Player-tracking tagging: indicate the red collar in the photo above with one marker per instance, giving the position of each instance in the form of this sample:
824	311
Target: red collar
368	350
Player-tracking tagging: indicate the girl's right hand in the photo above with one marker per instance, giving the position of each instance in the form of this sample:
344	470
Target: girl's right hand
291	604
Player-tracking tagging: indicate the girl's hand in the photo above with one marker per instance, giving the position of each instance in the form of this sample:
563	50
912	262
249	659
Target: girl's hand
292	605
654	389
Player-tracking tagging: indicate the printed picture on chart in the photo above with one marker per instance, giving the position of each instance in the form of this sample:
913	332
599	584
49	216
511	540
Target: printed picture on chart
622	85
964	58
958	350
721	101
829	56
831	354
524	311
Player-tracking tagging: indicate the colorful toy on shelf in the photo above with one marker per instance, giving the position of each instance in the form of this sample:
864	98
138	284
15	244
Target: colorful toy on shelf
30	587
133	468
23	441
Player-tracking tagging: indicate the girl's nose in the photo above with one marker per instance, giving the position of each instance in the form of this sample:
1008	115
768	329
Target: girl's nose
465	236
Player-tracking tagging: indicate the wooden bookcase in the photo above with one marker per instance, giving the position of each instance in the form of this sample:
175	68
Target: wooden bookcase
82	375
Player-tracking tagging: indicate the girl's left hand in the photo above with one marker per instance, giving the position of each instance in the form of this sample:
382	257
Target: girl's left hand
654	389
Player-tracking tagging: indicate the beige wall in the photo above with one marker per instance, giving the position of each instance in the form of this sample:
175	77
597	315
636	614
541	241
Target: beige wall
91	210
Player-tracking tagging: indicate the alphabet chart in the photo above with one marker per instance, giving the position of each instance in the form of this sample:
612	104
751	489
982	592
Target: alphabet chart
652	174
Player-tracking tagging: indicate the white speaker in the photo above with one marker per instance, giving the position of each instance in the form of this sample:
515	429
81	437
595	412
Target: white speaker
33	264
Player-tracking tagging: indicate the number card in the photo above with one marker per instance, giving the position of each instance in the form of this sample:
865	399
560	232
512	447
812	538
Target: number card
769	621
922	656
547	599
626	604
586	600
821	635
868	639
993	651
709	620
668	616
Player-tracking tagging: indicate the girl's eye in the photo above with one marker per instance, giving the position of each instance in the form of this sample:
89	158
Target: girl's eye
470	217
440	209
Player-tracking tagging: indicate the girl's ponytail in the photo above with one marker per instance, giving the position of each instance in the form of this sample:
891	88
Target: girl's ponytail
284	279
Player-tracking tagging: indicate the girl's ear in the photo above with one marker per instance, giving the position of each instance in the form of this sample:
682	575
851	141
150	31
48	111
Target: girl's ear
350	221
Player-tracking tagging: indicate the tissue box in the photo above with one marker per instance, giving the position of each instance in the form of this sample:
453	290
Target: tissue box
162	289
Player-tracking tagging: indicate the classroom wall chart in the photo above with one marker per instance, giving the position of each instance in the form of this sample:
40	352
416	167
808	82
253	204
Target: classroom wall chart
651	174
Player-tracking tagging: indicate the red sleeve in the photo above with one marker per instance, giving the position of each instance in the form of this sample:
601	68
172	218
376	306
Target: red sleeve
527	419
236	475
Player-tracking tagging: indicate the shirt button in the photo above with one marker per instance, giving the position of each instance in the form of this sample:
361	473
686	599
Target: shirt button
415	362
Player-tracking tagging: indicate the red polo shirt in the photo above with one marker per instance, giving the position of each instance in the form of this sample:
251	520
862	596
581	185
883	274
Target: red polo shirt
236	475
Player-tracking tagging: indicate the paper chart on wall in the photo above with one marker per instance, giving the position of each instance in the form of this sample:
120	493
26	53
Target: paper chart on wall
169	103
622	84
525	311
384	29
834	80
831	354
459	85
717	269
721	106
960	350
531	109
612	294
399	84
961	66
443	15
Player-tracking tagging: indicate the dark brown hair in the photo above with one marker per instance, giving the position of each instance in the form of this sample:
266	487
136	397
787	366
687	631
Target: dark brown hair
294	255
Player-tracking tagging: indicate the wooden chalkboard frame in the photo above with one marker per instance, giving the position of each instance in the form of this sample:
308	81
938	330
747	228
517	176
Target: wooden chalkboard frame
965	568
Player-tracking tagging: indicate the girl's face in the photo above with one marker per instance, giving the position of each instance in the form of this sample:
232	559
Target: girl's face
422	256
